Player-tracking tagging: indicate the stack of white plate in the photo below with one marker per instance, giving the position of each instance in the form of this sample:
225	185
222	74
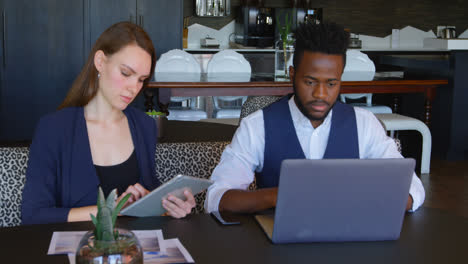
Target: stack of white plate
358	67
177	65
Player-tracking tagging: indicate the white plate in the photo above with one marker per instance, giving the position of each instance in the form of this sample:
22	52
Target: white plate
228	61
358	76
358	67
229	77
177	61
177	77
358	61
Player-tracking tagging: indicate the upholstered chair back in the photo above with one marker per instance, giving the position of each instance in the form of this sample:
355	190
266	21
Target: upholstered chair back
196	159
13	163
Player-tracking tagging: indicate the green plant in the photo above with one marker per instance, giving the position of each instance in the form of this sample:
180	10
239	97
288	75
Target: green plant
107	214
284	32
154	113
105	244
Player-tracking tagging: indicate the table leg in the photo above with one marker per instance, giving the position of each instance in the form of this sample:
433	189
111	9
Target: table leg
164	99
163	108
396	104
430	95
148	94
209	106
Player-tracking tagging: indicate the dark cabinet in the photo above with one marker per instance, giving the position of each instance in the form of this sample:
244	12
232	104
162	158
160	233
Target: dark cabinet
46	42
2	57
101	14
162	20
42	53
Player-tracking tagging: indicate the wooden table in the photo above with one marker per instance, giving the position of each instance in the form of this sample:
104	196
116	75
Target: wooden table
428	236
259	87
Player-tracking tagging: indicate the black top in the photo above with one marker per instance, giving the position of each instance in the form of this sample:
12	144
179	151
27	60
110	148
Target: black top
119	176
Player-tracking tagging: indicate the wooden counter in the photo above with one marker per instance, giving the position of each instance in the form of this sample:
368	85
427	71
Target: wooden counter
258	88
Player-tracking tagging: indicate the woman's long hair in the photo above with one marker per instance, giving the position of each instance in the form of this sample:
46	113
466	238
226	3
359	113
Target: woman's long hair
115	38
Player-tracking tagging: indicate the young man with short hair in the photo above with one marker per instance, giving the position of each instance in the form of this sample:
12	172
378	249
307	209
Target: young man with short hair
309	124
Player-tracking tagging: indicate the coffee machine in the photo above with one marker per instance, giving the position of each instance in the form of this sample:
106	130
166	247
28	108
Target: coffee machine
299	15
306	12
255	26
310	15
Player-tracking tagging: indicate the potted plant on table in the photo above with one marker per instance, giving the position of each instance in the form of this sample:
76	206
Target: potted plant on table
284	48
107	244
161	120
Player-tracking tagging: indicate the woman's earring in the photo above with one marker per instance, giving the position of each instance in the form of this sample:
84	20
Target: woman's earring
99	75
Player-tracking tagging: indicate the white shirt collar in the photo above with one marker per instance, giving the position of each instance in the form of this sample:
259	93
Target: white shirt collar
300	120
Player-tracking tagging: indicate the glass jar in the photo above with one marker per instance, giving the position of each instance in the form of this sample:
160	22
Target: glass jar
216	8
126	249
227	7
200	7
212	8
284	53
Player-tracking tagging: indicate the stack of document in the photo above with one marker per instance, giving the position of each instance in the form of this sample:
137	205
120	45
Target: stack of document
156	249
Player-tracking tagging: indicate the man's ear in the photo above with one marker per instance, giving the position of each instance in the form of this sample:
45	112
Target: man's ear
99	60
291	73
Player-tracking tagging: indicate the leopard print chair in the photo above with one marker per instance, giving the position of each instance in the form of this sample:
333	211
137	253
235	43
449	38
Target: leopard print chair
196	159
254	103
13	163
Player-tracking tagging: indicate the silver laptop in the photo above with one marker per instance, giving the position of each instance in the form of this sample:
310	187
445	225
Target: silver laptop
334	200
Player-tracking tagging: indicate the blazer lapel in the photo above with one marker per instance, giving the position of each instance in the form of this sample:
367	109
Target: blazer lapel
138	136
136	142
84	179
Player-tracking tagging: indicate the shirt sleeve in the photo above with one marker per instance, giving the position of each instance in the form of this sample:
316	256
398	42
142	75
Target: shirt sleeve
39	204
239	160
375	144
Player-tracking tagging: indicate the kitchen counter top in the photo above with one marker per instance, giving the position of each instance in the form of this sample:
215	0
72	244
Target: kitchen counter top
377	49
221	84
224	48
405	49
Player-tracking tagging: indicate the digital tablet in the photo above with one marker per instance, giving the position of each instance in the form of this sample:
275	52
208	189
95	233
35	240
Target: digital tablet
151	204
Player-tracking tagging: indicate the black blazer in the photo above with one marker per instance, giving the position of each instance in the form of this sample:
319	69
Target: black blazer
61	174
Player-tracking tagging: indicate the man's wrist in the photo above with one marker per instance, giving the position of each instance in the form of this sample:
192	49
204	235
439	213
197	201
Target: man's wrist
272	196
409	204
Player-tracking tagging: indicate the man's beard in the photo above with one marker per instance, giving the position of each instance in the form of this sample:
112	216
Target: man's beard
303	110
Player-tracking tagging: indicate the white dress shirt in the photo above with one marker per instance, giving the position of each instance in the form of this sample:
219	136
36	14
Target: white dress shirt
244	155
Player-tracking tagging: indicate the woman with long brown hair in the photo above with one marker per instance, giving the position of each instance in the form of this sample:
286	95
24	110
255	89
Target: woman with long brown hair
96	139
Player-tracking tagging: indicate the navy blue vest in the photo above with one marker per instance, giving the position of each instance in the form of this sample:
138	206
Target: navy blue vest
281	140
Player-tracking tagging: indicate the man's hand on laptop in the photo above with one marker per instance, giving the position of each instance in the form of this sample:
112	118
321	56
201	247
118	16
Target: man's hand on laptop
241	201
